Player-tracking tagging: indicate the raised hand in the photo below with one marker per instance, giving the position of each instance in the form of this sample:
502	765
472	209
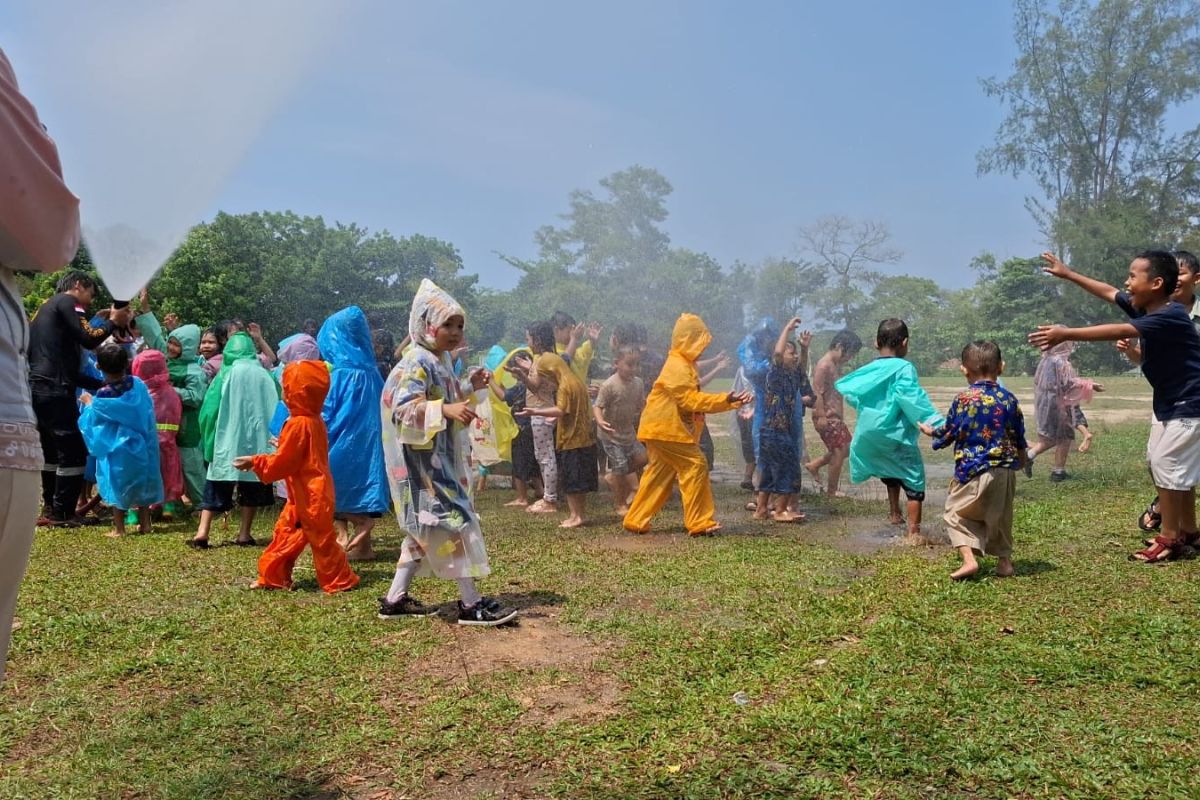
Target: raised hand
1054	266
1047	336
144	299
806	339
593	331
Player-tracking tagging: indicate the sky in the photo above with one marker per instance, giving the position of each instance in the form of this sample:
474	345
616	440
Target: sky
473	121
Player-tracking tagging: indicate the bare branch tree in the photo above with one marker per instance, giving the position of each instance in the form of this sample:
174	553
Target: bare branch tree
846	249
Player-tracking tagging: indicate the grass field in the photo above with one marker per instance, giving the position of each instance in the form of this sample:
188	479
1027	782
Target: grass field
819	660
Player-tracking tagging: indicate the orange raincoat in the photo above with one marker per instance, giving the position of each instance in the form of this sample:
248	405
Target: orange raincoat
302	460
670	428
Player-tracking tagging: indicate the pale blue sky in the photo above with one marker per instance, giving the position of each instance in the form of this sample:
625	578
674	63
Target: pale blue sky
471	121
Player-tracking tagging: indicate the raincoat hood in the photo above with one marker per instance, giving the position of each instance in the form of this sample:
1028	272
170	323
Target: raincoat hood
345	340
300	347
758	341
305	384
432	306
495	357
690	337
188	337
151	367
239	348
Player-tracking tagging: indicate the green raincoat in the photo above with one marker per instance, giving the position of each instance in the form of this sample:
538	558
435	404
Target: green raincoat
236	415
890	404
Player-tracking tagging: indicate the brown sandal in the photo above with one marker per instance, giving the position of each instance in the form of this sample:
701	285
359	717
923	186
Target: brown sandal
1163	549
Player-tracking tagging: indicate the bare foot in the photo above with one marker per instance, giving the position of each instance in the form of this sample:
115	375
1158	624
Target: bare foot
915	540
1086	444
542	507
358	554
787	516
815	472
759	515
1004	568
713	531
571	522
621	510
115	534
895	519
518	503
965	571
837	493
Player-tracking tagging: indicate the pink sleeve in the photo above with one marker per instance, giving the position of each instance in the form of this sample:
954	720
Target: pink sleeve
39	216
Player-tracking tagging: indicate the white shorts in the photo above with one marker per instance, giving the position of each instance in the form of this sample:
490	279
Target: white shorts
1174	454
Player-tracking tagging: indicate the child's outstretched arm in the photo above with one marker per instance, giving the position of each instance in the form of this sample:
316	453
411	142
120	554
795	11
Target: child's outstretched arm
286	461
914	402
1058	269
1047	336
785	336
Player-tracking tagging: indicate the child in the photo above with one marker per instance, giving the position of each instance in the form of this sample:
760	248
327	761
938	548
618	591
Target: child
150	367
1171	363
118	428
617	410
987	431
426	411
890	405
670	429
576	343
235	421
574	441
778	455
355	431
1057	391
744	421
829	411
541	393
525	473
302	459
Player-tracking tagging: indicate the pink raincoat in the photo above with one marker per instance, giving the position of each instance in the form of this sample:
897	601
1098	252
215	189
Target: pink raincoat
151	367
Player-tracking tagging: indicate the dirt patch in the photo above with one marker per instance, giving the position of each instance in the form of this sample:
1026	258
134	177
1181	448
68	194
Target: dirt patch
596	698
489	784
638	542
873	535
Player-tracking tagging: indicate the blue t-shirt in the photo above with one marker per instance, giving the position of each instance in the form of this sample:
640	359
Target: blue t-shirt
1170	357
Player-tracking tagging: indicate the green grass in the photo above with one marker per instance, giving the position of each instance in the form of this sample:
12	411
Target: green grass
145	670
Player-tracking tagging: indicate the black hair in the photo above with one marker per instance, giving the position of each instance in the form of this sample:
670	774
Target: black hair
641	336
75	278
219	332
1161	264
847	340
891	333
624	333
561	319
1187	261
383	340
542	335
982	357
626	350
112	359
309	323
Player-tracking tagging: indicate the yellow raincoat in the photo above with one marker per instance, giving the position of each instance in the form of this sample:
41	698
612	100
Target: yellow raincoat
670	428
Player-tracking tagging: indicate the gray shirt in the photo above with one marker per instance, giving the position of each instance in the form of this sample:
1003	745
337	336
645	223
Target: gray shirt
15	403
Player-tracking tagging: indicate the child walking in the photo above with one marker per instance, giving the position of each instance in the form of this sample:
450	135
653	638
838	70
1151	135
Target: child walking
618	409
1171	363
829	410
541	390
118	428
670	429
302	460
1057	392
425	414
891	405
987	431
778	453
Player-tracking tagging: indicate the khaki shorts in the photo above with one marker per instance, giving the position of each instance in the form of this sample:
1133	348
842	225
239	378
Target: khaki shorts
979	513
1174	453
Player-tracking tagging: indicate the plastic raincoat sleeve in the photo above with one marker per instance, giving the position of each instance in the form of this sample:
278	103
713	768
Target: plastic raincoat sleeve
152	332
192	391
690	399
912	400
416	417
288	457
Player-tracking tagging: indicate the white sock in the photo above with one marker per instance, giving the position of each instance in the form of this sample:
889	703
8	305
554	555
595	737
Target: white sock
404	576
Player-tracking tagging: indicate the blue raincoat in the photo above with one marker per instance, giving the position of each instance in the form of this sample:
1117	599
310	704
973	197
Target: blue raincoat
351	415
87	366
890	404
122	433
755	353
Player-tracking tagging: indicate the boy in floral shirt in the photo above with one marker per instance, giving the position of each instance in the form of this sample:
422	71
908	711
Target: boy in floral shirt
987	430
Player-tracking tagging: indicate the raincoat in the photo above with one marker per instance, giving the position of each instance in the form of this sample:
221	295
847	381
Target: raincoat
1057	389
504	426
351	415
890	404
297	347
237	410
427	455
190	382
670	428
151	368
755	353
121	433
302	460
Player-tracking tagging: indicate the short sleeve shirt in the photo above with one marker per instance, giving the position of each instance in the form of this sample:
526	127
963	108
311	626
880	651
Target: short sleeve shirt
1170	357
622	404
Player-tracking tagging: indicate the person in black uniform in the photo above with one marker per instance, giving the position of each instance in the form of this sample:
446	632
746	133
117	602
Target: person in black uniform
58	334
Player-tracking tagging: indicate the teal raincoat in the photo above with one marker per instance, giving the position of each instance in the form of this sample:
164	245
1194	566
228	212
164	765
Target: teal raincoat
237	410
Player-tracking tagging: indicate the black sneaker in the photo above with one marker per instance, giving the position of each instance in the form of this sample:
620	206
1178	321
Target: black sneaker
487	613
1059	477
404	607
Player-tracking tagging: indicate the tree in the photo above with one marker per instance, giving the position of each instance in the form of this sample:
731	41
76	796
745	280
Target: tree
1088	104
845	250
935	335
783	288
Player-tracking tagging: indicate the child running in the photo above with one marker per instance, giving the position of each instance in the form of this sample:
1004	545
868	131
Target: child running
670	429
1171	363
987	431
778	453
891	405
829	411
1057	392
425	414
618	409
118	428
302	459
